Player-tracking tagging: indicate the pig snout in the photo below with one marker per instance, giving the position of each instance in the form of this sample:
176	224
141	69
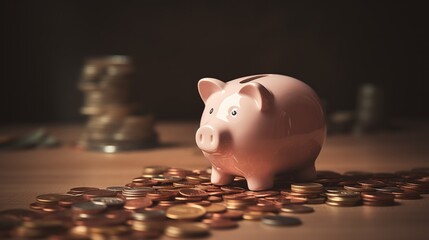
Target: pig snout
209	139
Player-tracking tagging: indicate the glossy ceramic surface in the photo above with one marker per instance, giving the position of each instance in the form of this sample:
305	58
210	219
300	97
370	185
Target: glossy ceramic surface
258	127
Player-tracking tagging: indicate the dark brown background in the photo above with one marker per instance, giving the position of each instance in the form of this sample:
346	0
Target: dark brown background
334	46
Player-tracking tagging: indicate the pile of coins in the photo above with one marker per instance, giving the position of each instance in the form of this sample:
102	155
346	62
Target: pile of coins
312	192
113	124
182	203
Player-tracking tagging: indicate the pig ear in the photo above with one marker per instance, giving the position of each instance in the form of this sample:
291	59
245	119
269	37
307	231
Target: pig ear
208	86
263	97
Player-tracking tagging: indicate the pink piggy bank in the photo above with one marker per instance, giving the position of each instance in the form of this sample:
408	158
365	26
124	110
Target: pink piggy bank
258	127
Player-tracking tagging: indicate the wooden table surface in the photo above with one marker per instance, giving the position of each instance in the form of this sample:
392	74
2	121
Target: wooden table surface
26	174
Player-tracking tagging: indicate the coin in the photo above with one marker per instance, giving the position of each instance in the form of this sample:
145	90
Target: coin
186	230
51	197
148	215
185	212
278	220
82	189
230	214
88	207
231	189
99	193
255	216
215	208
138	203
193	192
111	202
138	209
68	202
294	208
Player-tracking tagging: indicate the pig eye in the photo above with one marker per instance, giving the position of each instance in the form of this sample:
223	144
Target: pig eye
234	112
211	111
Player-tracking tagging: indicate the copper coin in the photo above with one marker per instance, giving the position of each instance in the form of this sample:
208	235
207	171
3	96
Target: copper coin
216	193
193	192
68	202
186	230
188	199
232	189
371	183
264	202
51	197
236	196
214	199
358	188
255	216
203	203
294	208
99	193
377	196
117	189
215	208
341	204
38	205
134	204
82	189
406	195
52	208
158	196
230	214
260	194
88	207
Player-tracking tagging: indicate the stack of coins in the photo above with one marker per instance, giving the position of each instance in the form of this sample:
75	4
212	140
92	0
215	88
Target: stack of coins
310	191
182	203
113	124
342	198
377	199
149	221
421	186
187	230
370	110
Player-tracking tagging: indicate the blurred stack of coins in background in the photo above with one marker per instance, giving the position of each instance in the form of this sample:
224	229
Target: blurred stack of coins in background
114	123
183	203
370	110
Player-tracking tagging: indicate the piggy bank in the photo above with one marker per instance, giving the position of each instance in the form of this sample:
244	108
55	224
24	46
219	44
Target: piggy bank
259	127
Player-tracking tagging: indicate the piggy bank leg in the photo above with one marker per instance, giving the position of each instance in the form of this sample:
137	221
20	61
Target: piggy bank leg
260	182
220	178
305	174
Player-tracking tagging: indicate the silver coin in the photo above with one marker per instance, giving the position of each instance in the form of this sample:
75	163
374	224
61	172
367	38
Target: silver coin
109	201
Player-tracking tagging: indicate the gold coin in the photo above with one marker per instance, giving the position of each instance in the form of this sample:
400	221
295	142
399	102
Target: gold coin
184	211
